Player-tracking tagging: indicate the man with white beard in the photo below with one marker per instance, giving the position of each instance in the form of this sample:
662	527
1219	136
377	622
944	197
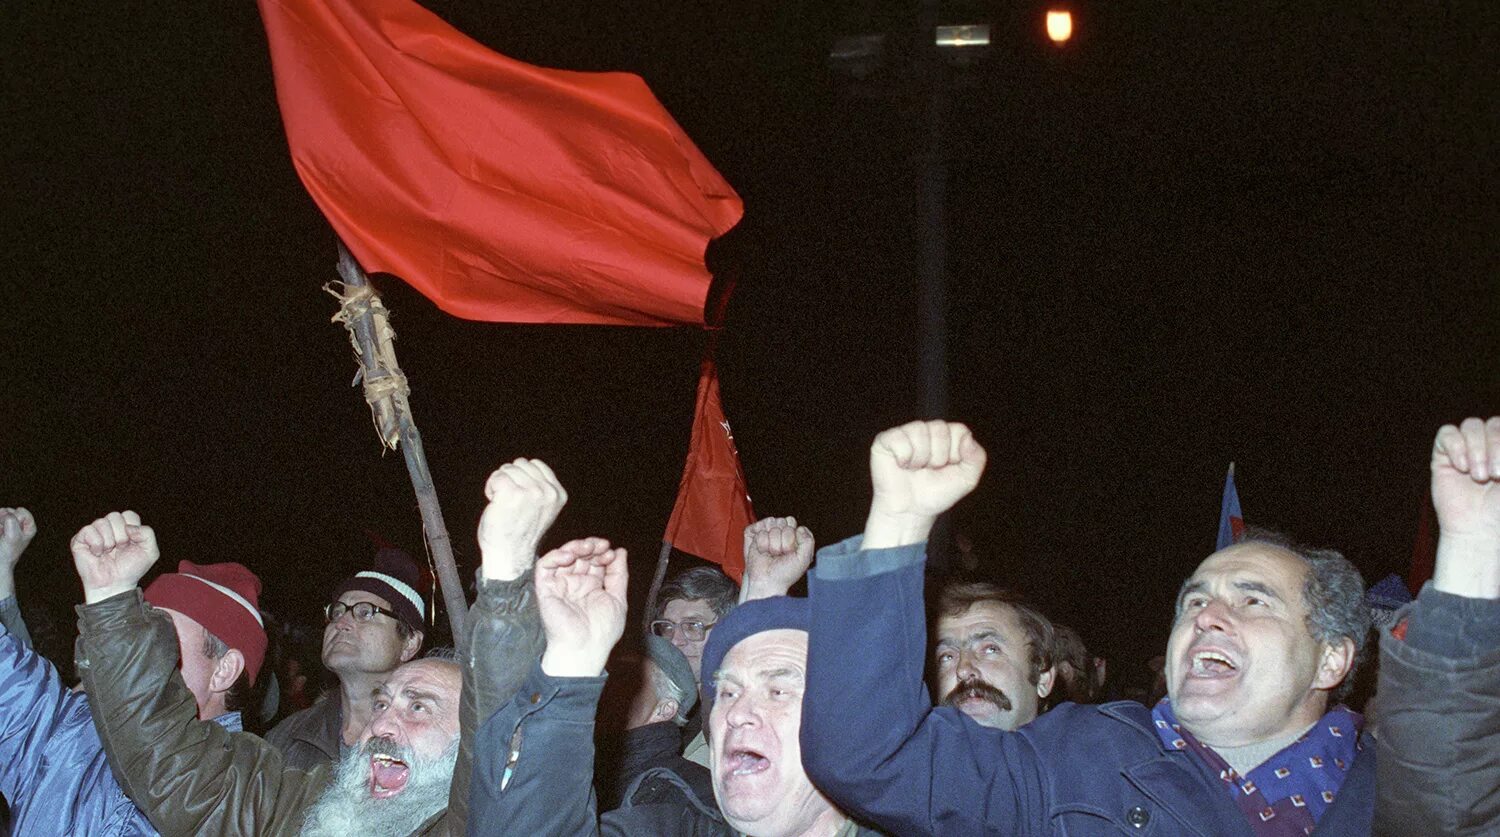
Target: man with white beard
408	772
386	777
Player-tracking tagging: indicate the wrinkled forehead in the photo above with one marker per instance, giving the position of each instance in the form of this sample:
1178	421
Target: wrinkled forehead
441	678
779	651
1250	564
995	619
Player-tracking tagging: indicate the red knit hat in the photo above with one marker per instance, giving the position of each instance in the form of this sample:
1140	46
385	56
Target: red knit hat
223	598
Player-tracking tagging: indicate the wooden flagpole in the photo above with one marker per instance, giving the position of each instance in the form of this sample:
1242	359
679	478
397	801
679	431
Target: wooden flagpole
656	580
386	390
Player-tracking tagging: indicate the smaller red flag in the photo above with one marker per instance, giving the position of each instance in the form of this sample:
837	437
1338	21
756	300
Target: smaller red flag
1424	548
713	506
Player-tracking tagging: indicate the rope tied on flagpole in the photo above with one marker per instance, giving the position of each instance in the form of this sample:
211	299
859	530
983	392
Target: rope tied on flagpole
384	382
368	322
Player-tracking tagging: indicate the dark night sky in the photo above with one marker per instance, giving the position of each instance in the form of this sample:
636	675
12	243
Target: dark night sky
1261	232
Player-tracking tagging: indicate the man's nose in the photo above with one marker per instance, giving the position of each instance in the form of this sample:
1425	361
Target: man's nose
742	711
966	670
1213	616
385	725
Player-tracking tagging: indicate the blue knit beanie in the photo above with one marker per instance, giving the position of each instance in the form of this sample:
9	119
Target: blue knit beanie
747	620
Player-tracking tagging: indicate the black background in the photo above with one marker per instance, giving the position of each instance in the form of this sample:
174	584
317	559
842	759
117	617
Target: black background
1260	232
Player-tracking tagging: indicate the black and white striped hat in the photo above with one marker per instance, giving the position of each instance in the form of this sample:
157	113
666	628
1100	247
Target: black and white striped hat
395	578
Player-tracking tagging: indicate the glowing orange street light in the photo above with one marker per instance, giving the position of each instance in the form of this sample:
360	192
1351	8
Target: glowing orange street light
1059	26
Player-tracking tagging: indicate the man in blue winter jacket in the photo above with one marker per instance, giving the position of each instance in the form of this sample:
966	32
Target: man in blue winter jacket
52	764
1266	633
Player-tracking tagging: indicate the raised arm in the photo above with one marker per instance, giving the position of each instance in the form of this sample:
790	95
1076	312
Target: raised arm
1438	720
1466	496
17	528
187	776
534	759
870	738
505	633
37	711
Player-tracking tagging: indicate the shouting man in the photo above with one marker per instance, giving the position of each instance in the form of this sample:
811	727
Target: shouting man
1245	744
534	758
407	771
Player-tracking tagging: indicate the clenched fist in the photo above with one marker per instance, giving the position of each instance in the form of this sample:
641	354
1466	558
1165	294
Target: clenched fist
919	470
525	498
17	528
112	553
777	554
1466	496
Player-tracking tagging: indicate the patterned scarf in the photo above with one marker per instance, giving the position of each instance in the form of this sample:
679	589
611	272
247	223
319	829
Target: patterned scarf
1287	794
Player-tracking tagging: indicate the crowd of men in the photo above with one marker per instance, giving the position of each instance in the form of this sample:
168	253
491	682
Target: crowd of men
869	706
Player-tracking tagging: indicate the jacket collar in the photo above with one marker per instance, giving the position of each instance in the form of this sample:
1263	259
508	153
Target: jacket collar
1176	782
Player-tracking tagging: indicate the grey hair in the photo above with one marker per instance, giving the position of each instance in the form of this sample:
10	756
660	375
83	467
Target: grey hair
1334	595
666	688
706	583
238	695
213	647
442	652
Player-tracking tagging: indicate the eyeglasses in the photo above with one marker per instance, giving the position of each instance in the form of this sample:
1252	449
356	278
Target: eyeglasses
363	611
691	631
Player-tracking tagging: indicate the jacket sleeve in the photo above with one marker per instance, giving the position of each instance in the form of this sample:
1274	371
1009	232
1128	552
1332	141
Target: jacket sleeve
188	776
871	739
534	761
1439	720
10	618
35	708
505	641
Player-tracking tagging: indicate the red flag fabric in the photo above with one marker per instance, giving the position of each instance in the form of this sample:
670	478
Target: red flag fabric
1424	548
502	191
713	507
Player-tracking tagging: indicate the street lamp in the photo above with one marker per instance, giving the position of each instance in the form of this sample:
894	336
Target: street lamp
1059	26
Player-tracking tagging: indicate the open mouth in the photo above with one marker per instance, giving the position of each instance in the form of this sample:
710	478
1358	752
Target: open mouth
388	776
1210	663
745	763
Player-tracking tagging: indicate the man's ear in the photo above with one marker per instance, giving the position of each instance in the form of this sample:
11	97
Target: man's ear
227	670
409	648
666	710
1045	681
1334	665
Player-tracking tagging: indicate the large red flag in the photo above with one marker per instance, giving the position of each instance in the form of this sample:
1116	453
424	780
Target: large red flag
713	507
502	191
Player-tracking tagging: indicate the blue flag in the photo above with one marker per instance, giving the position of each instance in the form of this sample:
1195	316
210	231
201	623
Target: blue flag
1231	519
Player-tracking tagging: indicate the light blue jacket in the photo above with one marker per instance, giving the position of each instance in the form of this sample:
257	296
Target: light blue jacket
52	765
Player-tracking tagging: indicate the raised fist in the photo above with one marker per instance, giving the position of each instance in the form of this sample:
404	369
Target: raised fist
1466	495
777	554
112	553
580	592
17	528
919	471
1466	479
525	498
